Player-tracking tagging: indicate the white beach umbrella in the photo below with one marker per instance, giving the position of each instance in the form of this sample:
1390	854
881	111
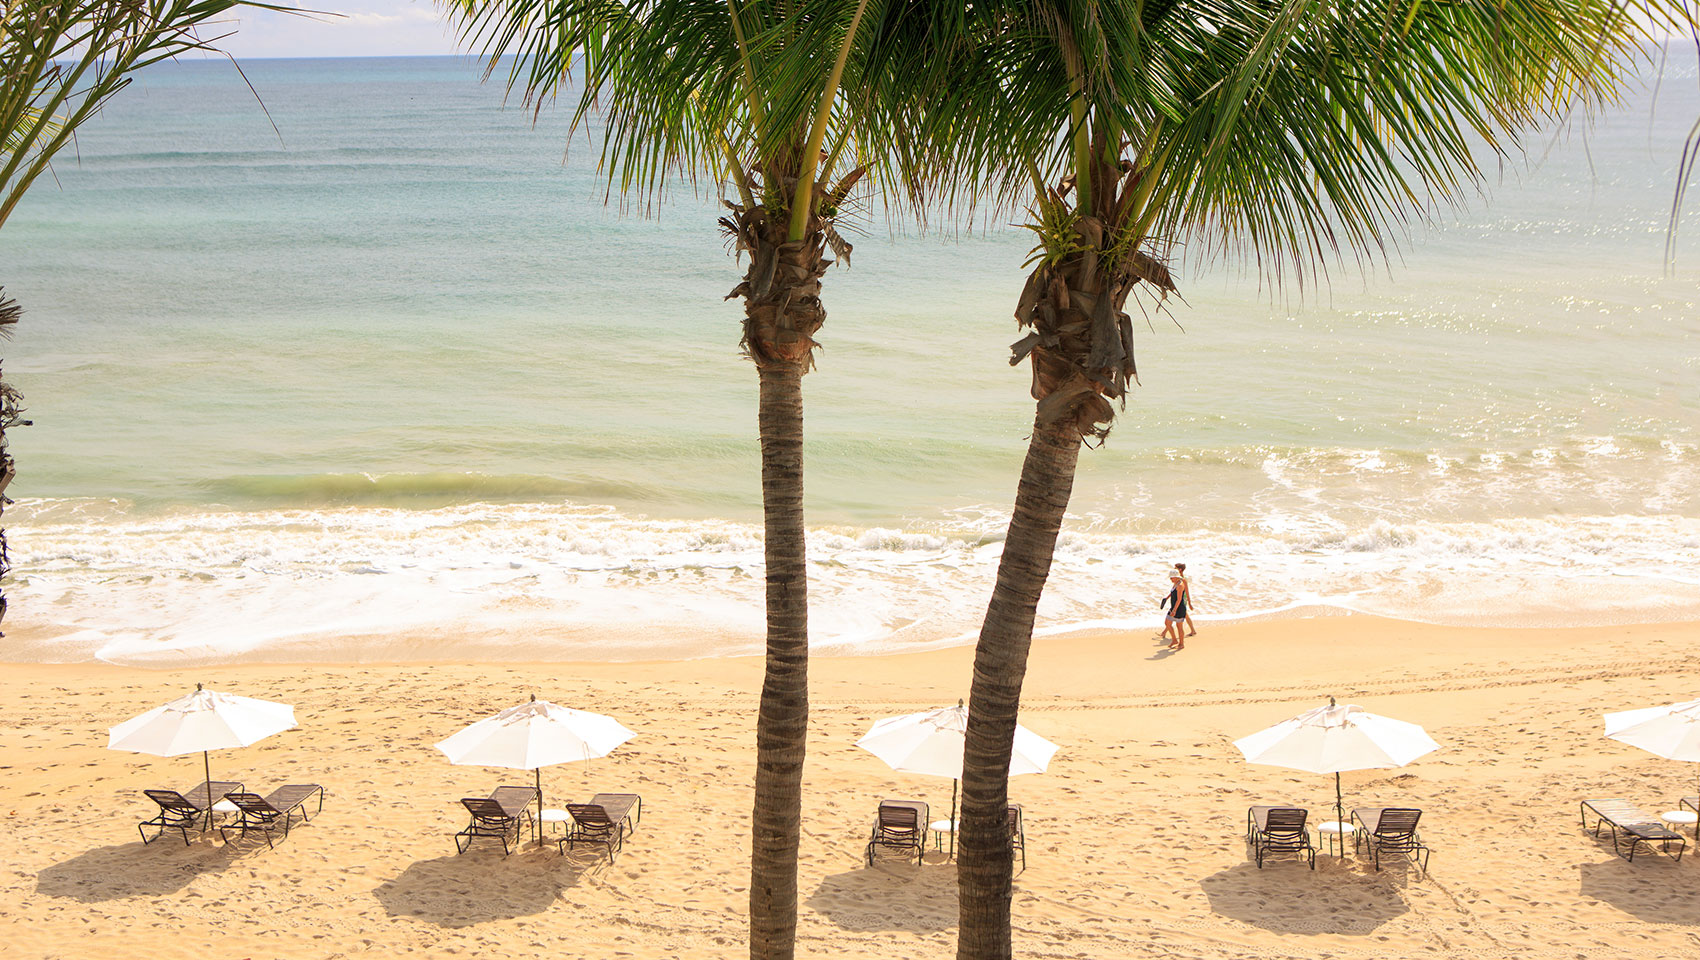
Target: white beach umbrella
534	735
1337	738
1672	732
932	742
201	721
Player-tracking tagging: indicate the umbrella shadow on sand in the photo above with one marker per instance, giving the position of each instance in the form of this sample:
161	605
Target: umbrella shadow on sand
133	870
460	890
1287	897
1643	889
890	895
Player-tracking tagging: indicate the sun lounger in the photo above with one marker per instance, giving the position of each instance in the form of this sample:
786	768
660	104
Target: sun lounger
1278	829
900	825
1390	830
1630	827
175	813
1017	836
607	819
204	795
496	816
1691	803
265	814
180	811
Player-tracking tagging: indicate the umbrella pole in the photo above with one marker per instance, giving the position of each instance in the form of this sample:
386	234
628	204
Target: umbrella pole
206	767
953	819
537	825
1339	800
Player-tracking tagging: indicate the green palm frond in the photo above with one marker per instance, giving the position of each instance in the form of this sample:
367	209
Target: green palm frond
10	313
710	89
60	60
1292	130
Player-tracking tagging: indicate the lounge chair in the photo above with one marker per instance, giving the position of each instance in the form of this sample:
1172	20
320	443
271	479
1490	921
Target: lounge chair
901	825
1692	803
180	811
1017	836
607	819
496	816
264	814
1278	829
1390	829
1630	827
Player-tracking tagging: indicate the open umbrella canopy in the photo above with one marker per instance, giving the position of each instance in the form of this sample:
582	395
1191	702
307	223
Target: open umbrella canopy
203	720
933	742
535	734
1336	738
1672	732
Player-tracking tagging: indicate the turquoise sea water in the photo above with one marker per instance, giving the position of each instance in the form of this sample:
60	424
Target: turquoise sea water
395	366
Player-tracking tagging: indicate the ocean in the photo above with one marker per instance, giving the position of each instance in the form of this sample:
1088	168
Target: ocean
398	379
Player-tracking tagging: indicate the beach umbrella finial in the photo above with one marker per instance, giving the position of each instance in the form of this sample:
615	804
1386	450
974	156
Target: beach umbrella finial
534	698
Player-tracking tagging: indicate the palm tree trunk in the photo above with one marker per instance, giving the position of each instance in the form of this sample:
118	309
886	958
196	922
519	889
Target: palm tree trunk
985	864
782	725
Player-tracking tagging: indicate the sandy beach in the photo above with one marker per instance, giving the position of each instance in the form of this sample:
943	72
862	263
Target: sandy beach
1133	835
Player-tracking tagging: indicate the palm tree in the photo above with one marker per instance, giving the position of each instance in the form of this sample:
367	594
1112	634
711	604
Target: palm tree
1299	131
773	99
60	62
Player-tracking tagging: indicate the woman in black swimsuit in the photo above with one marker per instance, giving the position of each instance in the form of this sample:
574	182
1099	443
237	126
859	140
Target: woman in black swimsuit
1175	617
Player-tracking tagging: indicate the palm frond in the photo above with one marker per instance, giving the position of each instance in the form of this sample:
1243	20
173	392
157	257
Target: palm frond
60	60
1295	131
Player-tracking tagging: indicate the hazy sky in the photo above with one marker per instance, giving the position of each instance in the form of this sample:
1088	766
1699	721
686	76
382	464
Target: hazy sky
370	28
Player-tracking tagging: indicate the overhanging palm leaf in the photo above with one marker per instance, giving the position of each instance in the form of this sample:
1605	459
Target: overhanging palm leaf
60	60
1295	131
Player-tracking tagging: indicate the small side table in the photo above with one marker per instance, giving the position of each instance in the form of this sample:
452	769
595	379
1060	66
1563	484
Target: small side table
1682	818
1335	833
551	817
939	829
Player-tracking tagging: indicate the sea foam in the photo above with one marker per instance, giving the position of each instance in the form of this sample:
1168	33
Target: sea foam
560	580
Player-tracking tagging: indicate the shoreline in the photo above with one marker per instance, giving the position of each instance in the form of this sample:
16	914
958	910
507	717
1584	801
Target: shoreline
496	644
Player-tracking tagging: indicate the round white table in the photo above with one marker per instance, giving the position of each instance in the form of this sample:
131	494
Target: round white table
939	829
1680	818
553	816
1335	833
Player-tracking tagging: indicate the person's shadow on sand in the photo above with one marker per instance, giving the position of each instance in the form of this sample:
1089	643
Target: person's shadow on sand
1287	897
890	895
132	870
1166	652
1648	890
460	890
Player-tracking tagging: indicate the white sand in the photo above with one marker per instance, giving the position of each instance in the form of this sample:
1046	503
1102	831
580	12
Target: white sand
1134	835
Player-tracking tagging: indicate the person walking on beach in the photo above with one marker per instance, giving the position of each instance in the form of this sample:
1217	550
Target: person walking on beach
1174	616
1186	583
